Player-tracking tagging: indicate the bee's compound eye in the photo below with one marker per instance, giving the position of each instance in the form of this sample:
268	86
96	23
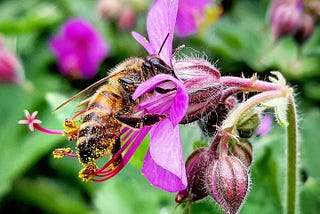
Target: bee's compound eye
147	64
156	62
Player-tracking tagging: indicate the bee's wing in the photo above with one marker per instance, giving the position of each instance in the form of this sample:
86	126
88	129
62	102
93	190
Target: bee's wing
85	91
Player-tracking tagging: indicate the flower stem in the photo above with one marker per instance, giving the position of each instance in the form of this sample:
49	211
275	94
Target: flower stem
250	84
251	102
292	161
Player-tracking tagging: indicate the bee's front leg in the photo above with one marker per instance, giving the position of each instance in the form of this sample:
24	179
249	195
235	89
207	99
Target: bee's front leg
139	122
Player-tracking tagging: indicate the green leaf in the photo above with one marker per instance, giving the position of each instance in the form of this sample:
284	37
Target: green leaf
310	198
310	146
31	16
51	196
129	192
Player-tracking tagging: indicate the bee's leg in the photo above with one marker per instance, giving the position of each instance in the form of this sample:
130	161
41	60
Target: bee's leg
116	147
71	129
139	122
164	90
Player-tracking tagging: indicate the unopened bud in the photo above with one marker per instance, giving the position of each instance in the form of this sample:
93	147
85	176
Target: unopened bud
196	167
228	183
248	123
109	9
284	18
242	150
10	67
304	29
127	19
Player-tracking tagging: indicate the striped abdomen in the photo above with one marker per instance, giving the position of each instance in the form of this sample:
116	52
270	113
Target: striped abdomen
99	129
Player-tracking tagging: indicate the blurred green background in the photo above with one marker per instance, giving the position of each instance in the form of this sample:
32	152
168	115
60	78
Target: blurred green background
240	42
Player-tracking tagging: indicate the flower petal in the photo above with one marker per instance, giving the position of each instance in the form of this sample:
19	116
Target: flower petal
161	22
144	42
164	164
180	104
178	108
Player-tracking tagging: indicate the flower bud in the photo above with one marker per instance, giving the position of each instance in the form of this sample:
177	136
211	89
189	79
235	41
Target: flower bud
196	167
242	150
248	123
284	18
304	29
10	67
228	183
109	9
127	19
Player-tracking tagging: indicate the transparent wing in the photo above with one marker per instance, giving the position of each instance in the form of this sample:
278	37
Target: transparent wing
86	91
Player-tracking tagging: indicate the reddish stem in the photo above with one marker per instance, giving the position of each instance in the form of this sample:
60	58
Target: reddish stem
251	84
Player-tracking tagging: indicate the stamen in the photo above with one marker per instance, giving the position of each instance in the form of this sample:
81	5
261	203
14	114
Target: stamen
134	142
48	131
125	146
61	152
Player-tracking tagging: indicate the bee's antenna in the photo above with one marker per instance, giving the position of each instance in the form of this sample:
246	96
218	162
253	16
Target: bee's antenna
163	44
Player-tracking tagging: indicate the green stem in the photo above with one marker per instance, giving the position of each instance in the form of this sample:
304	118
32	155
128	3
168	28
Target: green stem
292	161
231	120
229	123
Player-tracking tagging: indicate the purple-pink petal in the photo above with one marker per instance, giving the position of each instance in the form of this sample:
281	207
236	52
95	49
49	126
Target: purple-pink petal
164	163
179	106
161	22
144	42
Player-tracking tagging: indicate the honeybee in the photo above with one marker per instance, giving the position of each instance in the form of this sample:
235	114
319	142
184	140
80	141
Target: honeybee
108	108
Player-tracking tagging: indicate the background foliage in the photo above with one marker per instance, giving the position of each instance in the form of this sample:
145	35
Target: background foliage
239	43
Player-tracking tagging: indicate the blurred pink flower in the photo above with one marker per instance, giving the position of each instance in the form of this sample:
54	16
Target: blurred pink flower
289	18
10	67
265	125
190	13
79	49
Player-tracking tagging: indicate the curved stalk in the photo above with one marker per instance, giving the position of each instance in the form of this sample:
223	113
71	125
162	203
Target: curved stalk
292	161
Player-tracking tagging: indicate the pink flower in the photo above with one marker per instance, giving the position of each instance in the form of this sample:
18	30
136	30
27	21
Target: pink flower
164	164
33	123
79	49
31	120
190	13
10	67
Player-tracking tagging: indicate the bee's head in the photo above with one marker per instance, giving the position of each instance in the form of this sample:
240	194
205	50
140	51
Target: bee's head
156	64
